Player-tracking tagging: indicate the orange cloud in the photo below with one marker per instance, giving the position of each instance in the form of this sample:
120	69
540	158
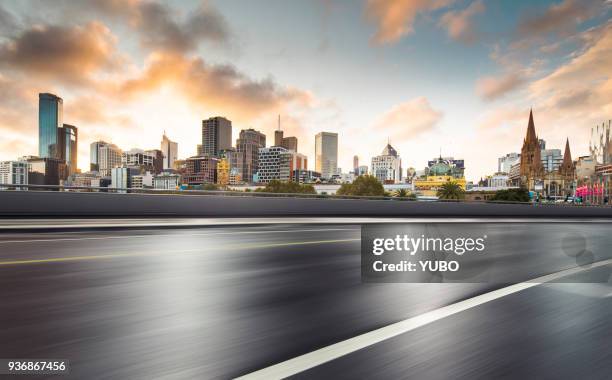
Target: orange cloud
71	54
459	25
219	87
581	88
409	119
395	18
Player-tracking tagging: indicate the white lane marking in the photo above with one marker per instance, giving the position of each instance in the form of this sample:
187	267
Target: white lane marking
174	235
334	351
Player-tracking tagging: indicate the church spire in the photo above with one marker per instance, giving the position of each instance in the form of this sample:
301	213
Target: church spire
567	156
531	133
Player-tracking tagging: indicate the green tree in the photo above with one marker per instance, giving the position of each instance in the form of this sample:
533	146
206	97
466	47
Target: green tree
450	190
512	195
403	193
276	186
365	185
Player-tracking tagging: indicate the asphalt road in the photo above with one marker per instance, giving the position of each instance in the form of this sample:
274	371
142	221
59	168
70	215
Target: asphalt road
227	301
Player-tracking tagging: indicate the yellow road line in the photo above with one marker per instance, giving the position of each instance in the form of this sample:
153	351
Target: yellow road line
226	248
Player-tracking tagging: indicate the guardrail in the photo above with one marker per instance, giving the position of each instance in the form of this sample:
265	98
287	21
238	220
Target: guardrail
236	193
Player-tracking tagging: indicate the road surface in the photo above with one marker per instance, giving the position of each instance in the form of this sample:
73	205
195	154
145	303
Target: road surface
223	302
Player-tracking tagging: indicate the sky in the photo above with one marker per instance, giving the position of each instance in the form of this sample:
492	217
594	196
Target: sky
456	77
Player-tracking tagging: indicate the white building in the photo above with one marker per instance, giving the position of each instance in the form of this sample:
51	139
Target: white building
121	177
387	167
137	157
14	173
166	181
498	181
109	157
326	154
551	159
505	163
142	181
170	150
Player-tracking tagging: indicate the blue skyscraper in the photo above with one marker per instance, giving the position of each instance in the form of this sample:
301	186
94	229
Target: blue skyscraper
50	118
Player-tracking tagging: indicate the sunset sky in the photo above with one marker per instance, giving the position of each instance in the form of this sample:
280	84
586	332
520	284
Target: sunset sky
430	75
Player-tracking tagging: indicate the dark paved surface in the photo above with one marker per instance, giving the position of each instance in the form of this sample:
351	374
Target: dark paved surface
223	302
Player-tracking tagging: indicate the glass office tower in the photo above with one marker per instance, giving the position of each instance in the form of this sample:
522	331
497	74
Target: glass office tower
50	118
68	143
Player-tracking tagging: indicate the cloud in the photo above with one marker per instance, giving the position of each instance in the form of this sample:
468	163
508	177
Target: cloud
560	19
7	21
459	25
491	88
219	87
584	83
161	31
409	119
72	54
395	19
159	26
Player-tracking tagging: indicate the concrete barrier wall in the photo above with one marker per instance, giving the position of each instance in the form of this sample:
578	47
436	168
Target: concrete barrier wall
43	204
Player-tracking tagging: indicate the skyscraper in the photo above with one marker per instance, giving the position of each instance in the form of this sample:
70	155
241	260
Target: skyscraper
355	164
109	157
50	119
249	142
326	154
216	135
68	138
170	150
94	155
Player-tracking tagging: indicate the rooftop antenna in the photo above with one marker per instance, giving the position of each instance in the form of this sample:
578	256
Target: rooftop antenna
279	122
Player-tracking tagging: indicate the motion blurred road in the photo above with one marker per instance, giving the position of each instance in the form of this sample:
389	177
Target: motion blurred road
221	302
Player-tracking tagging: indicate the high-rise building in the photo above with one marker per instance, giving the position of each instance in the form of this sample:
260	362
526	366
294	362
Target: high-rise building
387	167
50	119
290	142
278	137
356	164
551	159
504	163
68	138
249	142
216	135
94	155
14	173
109	157
326	154
278	163
169	149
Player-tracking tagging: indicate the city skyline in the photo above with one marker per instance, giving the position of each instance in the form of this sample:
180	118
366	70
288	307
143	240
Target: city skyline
424	75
